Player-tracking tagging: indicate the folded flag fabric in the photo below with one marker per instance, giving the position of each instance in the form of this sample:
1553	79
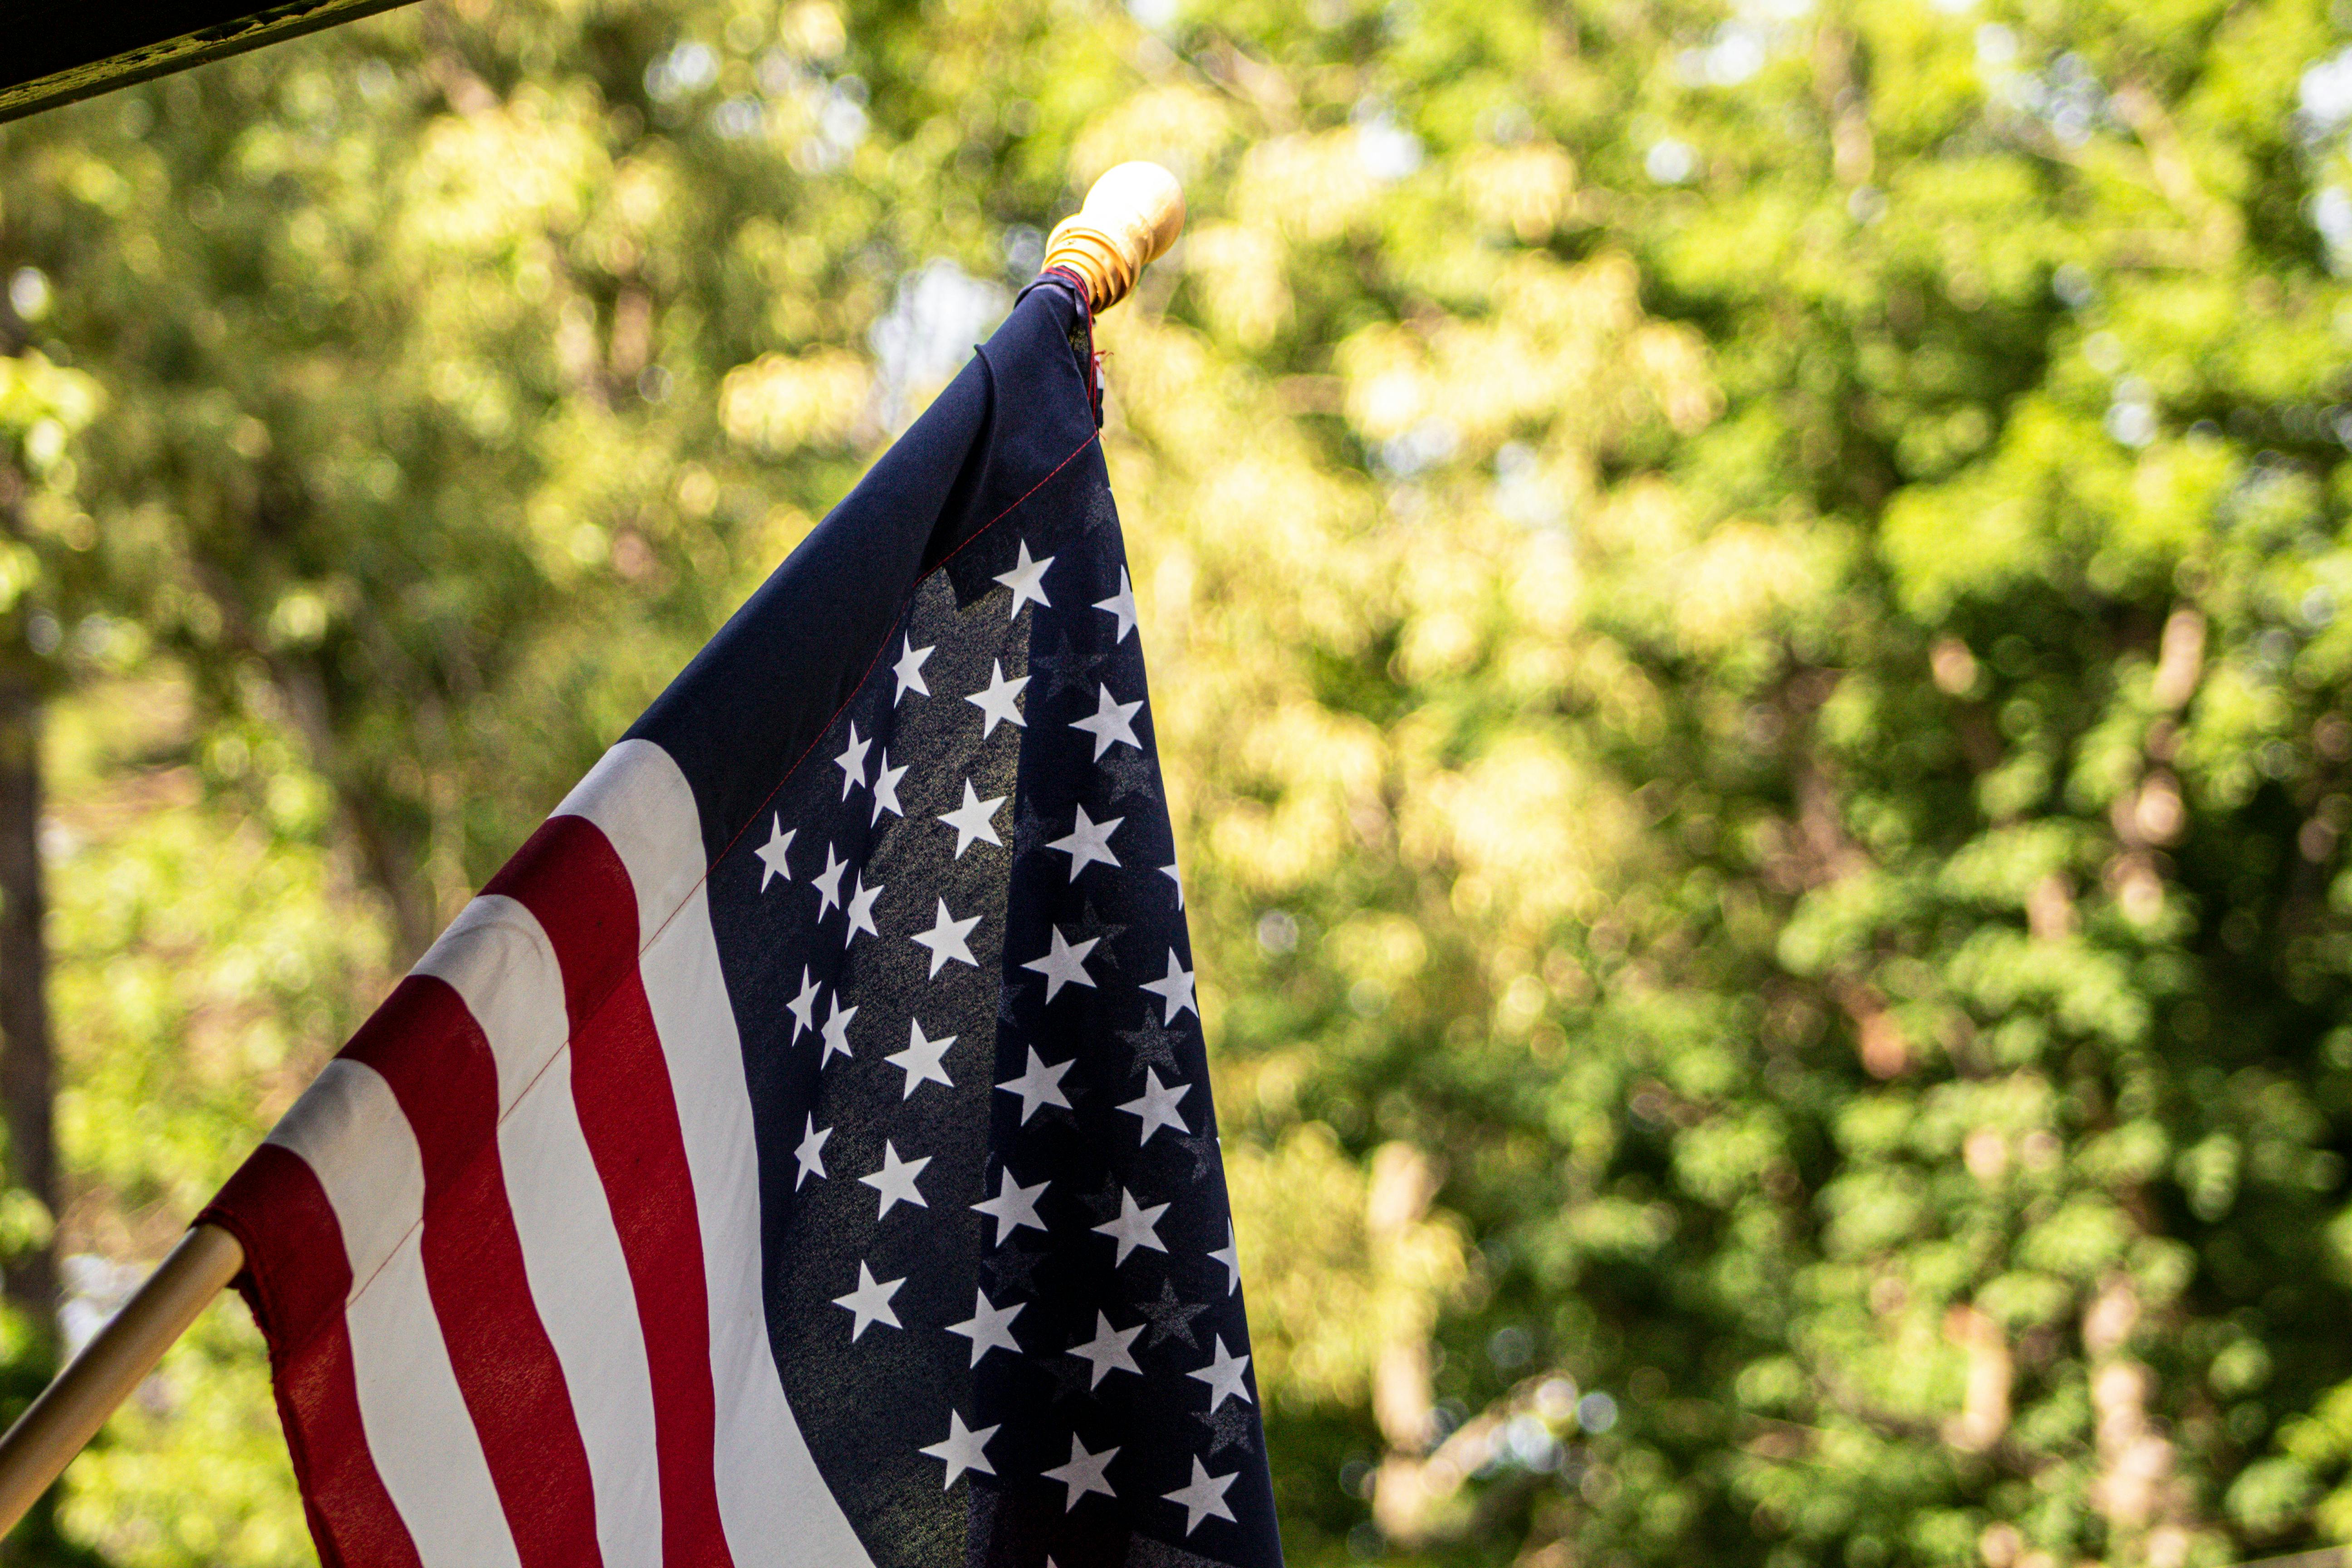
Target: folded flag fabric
801	1152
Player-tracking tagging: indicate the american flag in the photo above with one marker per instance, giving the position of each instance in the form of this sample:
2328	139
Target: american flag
801	1152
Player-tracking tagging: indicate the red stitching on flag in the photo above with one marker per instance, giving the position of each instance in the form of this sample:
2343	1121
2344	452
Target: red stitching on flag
786	778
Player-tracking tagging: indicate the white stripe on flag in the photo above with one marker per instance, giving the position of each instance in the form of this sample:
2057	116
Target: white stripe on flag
497	956
348	1129
775	1505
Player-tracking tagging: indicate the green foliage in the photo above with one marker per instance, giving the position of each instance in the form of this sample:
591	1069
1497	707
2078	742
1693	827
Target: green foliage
1745	610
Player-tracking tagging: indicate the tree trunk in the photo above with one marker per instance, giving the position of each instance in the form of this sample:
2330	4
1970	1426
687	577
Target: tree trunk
27	1058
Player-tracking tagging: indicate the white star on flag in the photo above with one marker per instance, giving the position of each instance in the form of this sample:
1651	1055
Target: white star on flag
1134	1228
802	1007
996	702
1155	1108
949	938
1224	1376
852	762
836	1029
870	1303
772	853
975	818
1107	1351
1084	1473
1027	581
1203	1497
1230	1255
861	912
886	788
827	883
1014	1206
1087	842
1039	1085
1174	989
1064	963
896	1180
1112	722
910	670
961	1448
1122	605
1176	876
923	1059
989	1327
811	1153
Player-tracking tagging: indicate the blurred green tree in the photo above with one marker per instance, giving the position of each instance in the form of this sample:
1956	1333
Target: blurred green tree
1803	777
42	406
1744	604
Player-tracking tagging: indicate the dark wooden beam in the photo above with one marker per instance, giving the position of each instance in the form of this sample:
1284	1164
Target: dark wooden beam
59	50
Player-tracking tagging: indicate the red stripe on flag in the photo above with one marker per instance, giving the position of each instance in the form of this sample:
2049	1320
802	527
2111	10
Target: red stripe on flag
433	1053
572	878
297	1277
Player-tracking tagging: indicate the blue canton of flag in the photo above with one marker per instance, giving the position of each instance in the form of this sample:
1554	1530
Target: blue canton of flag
999	1265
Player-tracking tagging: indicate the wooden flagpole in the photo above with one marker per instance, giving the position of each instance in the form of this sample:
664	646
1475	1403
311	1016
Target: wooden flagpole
1130	217
70	1412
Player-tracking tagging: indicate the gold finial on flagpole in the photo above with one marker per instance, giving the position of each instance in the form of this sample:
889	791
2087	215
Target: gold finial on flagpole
1132	217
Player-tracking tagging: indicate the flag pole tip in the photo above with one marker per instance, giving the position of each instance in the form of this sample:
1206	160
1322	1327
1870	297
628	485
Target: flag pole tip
1131	216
